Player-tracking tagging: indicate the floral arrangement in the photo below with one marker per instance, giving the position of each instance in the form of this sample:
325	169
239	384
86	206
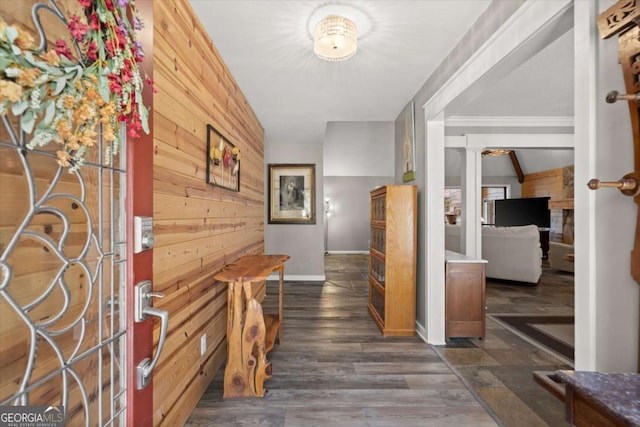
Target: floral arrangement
61	97
225	160
225	153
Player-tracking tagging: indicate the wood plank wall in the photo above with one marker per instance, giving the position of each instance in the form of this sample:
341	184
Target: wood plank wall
557	184
198	227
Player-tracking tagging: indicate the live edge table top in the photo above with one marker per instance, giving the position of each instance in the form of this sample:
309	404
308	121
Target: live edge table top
251	268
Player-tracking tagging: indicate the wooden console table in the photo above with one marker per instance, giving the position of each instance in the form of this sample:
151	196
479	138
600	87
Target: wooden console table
250	333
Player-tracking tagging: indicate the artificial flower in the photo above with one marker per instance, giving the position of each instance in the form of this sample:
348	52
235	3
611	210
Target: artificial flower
62	49
63	158
25	40
77	28
27	77
64	94
51	57
10	91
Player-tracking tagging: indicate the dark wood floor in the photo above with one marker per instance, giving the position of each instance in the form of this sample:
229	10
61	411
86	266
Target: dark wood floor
499	368
334	368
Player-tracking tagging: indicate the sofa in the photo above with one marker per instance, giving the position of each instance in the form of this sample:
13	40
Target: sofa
512	253
557	251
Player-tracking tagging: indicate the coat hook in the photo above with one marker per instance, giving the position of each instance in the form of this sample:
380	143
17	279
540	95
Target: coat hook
629	185
614	96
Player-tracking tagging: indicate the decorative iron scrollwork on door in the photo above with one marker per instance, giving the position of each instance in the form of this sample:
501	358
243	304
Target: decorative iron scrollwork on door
62	261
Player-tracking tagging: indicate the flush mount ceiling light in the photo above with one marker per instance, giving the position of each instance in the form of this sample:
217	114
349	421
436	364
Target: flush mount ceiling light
335	38
335	30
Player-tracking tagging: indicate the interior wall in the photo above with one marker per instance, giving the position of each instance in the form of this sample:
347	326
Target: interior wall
356	160
348	226
304	243
358	149
198	227
615	303
494	16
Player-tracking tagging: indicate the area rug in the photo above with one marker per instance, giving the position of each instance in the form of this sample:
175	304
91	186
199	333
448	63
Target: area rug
554	333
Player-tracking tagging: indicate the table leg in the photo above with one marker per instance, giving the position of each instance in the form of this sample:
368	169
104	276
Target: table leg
236	378
280	291
247	366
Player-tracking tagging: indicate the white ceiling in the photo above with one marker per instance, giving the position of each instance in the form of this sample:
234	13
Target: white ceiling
542	86
268	48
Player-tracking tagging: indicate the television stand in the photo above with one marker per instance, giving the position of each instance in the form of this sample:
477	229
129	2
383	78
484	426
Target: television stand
544	241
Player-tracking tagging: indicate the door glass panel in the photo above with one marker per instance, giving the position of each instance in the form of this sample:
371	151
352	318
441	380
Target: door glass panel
62	271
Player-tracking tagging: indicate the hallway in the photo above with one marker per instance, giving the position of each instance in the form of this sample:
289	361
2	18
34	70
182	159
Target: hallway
334	367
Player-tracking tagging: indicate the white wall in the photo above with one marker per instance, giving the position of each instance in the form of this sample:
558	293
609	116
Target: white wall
358	156
348	227
304	243
358	149
530	29
605	221
494	16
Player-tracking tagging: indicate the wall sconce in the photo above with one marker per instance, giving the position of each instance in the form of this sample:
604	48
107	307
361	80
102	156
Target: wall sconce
328	210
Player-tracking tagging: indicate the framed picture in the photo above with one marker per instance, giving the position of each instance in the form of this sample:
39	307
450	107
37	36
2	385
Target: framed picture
223	161
405	124
292	194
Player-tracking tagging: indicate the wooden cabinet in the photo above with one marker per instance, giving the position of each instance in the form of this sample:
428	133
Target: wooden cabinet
392	259
465	296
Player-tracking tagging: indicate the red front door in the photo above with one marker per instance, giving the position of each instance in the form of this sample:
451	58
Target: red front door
140	203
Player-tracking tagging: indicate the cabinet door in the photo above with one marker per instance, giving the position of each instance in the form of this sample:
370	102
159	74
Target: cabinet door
377	300
464	296
465	299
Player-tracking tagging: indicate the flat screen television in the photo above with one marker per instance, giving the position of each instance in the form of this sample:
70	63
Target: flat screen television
512	212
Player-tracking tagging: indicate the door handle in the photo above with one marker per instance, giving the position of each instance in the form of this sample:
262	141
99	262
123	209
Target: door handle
143	309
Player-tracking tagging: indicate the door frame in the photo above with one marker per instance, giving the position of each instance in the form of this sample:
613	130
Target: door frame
139	202
527	31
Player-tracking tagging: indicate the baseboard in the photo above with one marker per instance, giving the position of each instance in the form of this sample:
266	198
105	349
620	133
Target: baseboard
347	252
295	278
421	332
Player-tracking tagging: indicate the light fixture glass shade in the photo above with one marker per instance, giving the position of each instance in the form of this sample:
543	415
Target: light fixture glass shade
335	38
